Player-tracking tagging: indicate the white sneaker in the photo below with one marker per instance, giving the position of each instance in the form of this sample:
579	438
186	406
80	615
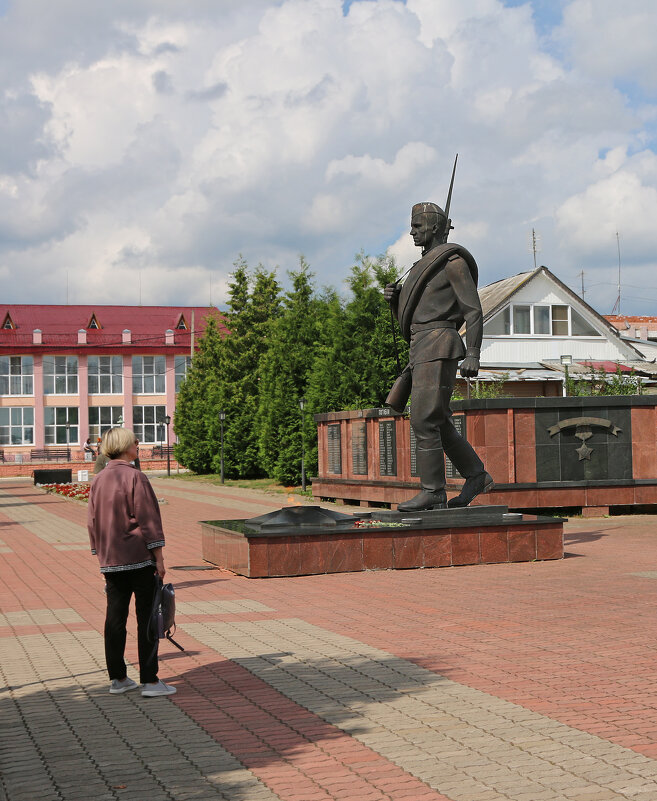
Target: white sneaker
159	688
117	687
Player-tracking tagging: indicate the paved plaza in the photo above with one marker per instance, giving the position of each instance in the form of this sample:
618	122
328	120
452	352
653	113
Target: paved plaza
527	681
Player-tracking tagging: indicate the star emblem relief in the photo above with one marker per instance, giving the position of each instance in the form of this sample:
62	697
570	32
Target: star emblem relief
584	452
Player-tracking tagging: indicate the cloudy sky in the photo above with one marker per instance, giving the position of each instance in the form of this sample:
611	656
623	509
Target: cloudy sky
144	144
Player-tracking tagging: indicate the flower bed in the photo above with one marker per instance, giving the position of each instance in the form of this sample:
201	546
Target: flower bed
76	492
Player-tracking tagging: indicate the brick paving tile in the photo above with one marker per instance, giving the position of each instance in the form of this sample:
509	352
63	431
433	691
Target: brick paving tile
527	681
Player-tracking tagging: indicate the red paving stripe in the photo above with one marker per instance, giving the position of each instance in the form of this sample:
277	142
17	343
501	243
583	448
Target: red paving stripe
294	752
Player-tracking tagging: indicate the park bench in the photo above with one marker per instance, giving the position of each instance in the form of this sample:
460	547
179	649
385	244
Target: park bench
50	454
161	451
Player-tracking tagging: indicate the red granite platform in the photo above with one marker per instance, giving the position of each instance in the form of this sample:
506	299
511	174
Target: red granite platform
369	548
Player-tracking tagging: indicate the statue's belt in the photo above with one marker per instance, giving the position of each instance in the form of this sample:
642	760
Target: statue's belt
416	327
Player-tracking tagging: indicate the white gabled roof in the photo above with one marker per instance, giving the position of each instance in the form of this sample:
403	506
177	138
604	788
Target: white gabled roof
494	297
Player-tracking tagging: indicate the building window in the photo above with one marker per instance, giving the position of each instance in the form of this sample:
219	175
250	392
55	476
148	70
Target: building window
541	320
500	325
17	425
102	418
580	327
93	323
145	423
148	375
521	319
536	320
182	325
61	425
8	322
105	375
560	321
16	375
182	365
60	375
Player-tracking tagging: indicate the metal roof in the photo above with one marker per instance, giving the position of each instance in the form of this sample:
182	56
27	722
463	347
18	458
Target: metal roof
59	324
494	295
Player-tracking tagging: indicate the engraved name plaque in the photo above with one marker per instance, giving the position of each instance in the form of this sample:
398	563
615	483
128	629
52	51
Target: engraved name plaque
459	425
334	449
387	448
414	472
359	448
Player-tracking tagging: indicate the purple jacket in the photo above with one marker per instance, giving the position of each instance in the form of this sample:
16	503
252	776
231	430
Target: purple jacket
124	518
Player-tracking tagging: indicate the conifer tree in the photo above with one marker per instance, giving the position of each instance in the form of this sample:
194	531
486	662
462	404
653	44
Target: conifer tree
284	371
196	444
355	364
254	304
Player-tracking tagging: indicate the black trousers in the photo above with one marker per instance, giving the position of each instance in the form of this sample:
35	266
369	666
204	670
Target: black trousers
433	384
120	588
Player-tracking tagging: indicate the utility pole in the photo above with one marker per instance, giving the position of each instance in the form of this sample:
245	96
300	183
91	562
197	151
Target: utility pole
191	351
582	277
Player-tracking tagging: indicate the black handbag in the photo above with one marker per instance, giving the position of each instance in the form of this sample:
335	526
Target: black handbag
162	622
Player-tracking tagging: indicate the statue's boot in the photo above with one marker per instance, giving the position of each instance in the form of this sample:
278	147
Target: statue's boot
431	467
464	458
475	485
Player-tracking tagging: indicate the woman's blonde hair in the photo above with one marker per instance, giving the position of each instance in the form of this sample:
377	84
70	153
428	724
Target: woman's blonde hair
116	441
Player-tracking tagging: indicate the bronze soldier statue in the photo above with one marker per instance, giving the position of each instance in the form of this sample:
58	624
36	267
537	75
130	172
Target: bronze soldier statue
437	297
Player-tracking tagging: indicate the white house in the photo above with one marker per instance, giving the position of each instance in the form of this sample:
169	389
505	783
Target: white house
533	319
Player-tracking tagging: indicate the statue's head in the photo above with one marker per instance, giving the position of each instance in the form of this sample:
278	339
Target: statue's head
428	222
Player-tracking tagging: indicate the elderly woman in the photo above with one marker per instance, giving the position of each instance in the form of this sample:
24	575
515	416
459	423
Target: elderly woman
126	534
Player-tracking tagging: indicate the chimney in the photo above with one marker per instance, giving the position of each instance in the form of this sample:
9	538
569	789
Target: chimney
37	339
82	337
126	336
168	337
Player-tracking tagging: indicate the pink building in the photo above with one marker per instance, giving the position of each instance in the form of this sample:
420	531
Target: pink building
634	327
71	372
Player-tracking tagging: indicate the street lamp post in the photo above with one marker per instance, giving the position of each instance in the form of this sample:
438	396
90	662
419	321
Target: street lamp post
222	417
167	420
566	361
302	405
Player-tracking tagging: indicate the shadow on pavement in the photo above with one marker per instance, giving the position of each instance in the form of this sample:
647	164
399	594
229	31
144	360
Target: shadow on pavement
315	699
585	536
184	585
61	739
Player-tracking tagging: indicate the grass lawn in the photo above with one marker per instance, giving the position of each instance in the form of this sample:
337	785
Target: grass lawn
262	484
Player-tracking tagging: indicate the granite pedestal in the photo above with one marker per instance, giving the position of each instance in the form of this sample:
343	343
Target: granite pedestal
310	540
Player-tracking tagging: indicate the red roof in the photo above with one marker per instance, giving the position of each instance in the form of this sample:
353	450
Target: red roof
608	367
59	325
619	320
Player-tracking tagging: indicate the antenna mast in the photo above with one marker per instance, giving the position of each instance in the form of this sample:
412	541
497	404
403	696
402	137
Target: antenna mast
582	277
617	305
534	241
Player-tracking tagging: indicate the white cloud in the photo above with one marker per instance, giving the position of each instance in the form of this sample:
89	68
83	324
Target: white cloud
613	41
163	139
624	201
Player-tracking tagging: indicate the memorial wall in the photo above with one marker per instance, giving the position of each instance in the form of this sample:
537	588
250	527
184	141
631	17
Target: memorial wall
561	453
